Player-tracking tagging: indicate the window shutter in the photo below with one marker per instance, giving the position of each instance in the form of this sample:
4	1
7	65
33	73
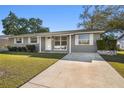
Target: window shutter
91	39
76	40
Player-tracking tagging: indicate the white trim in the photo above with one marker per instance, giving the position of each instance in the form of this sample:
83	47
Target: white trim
14	40
91	39
22	40
60	44
29	40
38	41
76	39
69	43
39	44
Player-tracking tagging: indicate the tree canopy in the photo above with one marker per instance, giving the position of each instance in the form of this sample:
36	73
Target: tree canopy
102	17
12	25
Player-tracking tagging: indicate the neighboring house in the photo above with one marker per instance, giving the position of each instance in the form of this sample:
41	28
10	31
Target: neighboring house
120	42
64	41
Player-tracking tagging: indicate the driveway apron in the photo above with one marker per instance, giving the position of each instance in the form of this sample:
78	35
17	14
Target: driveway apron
78	70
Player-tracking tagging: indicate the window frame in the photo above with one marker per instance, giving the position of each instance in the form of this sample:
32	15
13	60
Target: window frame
33	42
15	40
60	46
84	39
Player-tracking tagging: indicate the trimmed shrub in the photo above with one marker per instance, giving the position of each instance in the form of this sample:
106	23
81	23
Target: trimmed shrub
17	49
12	48
100	44
112	44
106	44
24	49
9	48
27	48
31	48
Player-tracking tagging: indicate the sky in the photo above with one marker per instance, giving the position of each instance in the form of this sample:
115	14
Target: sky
56	17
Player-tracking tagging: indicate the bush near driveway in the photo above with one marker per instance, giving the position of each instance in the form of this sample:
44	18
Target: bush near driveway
18	68
106	44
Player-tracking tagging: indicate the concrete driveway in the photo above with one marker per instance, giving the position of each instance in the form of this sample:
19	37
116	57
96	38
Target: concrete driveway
77	70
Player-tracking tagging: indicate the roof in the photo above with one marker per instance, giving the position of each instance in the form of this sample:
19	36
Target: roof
4	36
69	32
121	36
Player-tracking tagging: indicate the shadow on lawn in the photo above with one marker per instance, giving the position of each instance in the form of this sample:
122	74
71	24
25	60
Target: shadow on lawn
116	58
39	55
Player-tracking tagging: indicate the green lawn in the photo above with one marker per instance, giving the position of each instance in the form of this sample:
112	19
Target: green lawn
18	68
116	61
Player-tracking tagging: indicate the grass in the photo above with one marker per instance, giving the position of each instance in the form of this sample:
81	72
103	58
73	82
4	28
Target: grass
116	61
18	68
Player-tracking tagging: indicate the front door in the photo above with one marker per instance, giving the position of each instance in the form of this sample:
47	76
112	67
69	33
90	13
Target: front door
48	43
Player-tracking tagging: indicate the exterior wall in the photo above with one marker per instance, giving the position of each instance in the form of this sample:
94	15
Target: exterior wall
74	48
25	42
96	37
11	41
85	48
3	43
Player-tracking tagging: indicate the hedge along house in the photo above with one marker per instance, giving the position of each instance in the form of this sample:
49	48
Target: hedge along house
64	41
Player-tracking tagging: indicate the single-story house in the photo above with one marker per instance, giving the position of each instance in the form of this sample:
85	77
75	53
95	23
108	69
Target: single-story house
62	41
120	42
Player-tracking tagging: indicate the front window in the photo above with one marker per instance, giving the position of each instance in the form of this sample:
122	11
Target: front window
18	40
83	39
60	42
33	39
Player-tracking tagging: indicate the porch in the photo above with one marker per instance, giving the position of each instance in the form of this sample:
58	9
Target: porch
54	44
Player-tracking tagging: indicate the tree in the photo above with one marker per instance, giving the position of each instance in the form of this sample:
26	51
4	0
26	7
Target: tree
43	29
23	26
116	23
10	24
35	26
97	17
15	26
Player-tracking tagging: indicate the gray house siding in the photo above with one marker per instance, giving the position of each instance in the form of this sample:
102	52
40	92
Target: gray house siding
96	37
74	48
85	48
25	42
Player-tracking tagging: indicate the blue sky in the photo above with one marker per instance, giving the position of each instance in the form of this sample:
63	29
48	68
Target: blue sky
57	18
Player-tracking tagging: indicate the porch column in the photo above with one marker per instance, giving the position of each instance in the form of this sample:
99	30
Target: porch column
69	43
39	44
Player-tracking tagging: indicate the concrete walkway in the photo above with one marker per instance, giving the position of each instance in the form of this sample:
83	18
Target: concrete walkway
78	70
